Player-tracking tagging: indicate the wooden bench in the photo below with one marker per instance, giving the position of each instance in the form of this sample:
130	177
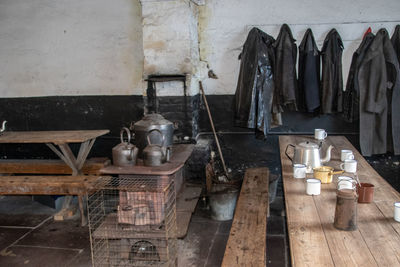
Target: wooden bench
40	166
49	185
247	239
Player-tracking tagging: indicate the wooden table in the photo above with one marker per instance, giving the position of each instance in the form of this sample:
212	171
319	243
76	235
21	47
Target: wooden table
60	139
313	239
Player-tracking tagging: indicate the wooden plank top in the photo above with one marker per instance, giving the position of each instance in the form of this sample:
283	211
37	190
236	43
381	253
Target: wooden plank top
55	137
180	153
314	241
247	239
49	166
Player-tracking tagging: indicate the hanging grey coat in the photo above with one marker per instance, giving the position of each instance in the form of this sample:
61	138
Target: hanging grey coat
396	41
332	79
285	71
379	84
308	98
255	87
351	97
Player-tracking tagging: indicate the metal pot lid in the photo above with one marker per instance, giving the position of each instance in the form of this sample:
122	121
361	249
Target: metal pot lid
308	144
151	120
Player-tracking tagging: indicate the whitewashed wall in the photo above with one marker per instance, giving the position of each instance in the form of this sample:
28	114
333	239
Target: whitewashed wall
70	47
224	25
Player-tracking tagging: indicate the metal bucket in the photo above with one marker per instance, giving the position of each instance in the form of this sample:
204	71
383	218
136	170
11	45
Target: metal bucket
223	202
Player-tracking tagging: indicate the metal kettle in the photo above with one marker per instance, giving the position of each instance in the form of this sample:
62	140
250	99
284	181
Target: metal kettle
308	153
155	154
125	153
143	131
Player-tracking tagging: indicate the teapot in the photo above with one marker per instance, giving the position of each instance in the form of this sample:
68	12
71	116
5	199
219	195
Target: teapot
308	153
155	154
3	127
125	153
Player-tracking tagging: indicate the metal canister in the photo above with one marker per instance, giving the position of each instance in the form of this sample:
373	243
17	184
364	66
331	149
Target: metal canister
346	210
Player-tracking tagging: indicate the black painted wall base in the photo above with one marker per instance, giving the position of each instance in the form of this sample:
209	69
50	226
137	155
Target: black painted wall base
242	147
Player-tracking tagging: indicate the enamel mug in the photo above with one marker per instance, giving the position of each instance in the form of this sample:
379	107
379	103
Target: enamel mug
320	134
346	154
299	170
313	187
345	182
397	211
349	165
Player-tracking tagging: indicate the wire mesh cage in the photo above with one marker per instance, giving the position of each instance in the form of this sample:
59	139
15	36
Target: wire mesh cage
132	221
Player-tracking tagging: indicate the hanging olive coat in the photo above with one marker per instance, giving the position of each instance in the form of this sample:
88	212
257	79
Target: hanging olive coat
255	87
308	98
332	79
351	97
379	84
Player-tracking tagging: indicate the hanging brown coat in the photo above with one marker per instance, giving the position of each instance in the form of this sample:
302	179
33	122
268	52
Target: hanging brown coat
379	85
332	79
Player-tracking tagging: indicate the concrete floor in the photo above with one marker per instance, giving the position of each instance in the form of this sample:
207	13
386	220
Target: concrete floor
30	237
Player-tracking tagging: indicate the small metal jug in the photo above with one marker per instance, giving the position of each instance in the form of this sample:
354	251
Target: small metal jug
125	153
155	154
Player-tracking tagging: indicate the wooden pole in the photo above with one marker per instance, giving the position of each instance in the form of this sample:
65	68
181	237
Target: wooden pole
213	129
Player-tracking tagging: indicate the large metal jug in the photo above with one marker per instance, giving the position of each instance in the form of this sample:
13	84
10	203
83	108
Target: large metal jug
308	153
155	154
125	153
143	131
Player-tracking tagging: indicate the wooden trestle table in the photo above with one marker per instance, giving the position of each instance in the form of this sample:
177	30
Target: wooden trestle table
314	241
60	139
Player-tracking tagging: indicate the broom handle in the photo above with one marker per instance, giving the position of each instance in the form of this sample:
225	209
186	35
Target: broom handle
213	129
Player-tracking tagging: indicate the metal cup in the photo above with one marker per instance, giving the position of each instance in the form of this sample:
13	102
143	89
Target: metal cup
299	170
313	186
397	211
320	134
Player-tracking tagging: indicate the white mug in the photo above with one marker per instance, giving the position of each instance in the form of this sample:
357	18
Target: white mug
320	134
397	211
299	170
346	154
345	182
349	165
313	186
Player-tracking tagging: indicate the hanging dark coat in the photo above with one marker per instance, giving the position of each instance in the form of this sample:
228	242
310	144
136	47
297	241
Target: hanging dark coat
351	97
379	84
332	79
396	41
255	87
308	98
285	71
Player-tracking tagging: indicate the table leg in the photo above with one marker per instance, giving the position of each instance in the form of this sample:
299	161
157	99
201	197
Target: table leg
76	164
82	210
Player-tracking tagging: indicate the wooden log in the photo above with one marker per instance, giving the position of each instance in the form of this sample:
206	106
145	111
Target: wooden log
247	239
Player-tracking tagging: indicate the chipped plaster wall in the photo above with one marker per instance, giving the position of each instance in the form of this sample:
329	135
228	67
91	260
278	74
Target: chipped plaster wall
224	25
170	43
75	47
